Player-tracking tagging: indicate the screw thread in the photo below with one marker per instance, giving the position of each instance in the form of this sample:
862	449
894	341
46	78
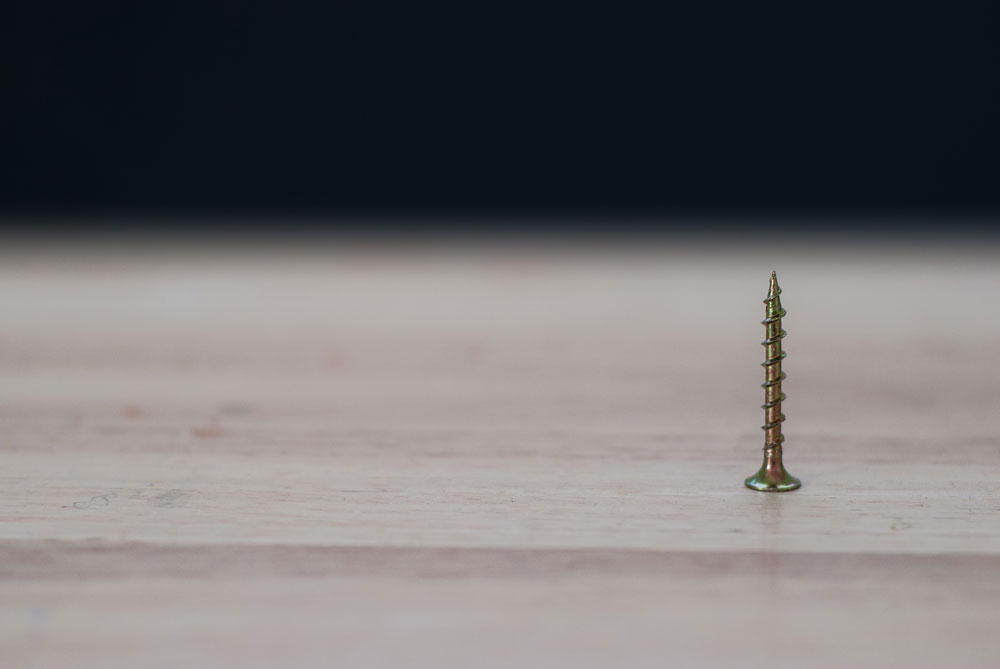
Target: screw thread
773	376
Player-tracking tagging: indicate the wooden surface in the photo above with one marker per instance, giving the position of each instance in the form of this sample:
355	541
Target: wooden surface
363	456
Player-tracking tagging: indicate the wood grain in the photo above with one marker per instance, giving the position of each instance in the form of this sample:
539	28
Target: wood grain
355	455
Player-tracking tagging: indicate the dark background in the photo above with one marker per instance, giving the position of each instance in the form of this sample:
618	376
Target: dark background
405	109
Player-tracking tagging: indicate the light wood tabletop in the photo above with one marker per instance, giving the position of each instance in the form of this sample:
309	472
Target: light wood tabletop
507	455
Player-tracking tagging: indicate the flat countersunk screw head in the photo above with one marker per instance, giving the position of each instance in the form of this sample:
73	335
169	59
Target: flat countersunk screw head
772	477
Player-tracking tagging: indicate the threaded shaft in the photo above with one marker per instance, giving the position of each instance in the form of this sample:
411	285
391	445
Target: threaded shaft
773	375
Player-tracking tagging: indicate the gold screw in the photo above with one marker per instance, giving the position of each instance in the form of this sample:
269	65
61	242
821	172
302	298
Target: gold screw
772	476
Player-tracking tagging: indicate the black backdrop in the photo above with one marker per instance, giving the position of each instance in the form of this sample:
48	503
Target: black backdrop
399	108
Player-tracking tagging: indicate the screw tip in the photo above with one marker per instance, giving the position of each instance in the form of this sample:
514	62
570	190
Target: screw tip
772	288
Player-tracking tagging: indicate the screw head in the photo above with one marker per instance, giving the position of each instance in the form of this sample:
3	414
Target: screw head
772	476
764	482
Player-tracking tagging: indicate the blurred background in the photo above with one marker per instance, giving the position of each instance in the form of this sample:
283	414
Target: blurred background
472	116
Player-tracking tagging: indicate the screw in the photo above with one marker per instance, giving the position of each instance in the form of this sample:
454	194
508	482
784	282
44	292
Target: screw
772	476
